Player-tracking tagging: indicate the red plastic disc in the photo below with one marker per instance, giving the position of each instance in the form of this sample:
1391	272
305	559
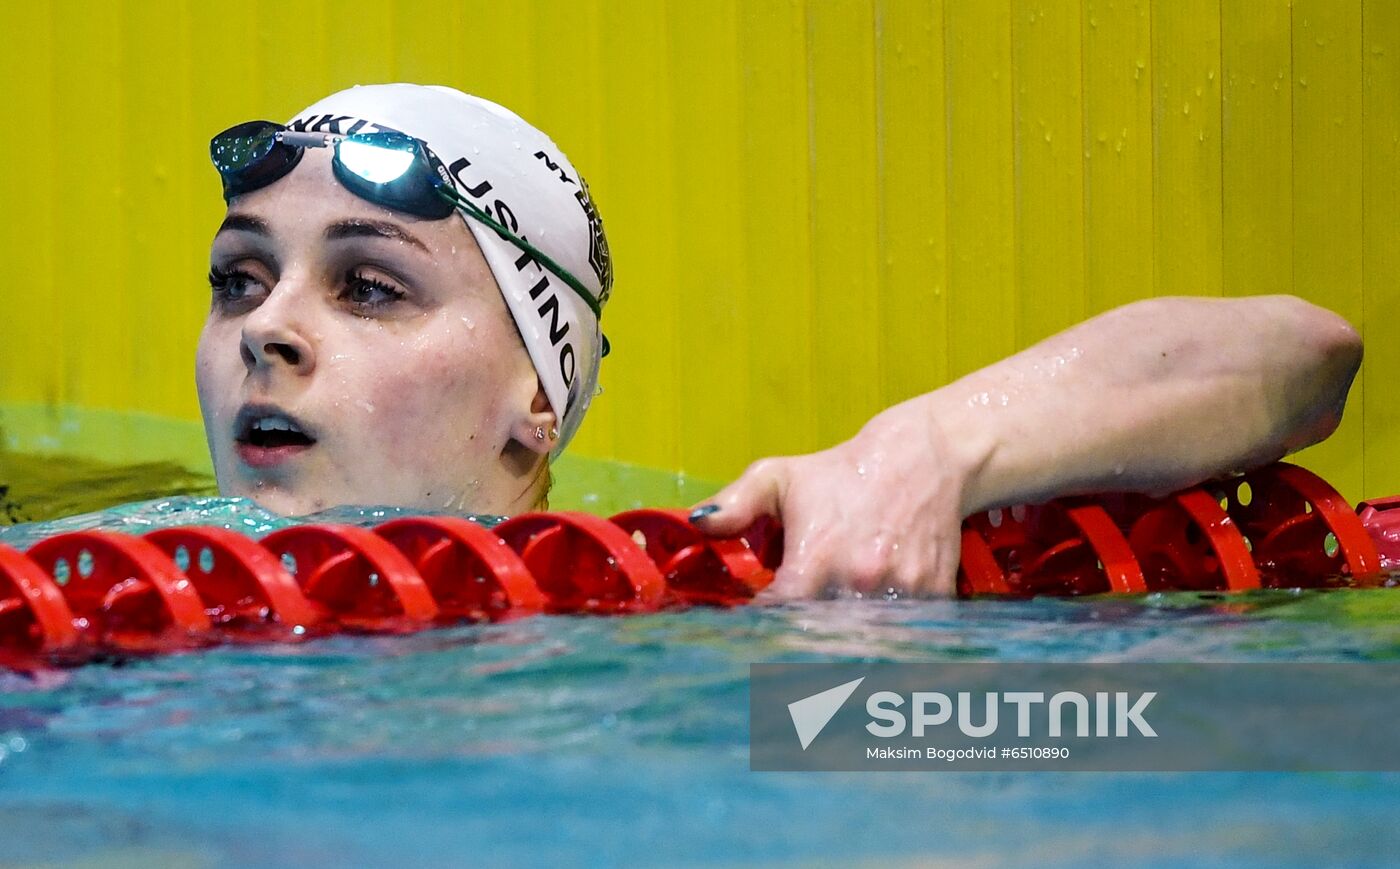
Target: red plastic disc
1303	532
472	573
1187	543
1060	548
34	617
1115	556
583	563
245	589
697	568
1381	519
978	570
355	574
124	592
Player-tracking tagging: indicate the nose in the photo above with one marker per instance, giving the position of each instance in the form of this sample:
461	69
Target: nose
274	336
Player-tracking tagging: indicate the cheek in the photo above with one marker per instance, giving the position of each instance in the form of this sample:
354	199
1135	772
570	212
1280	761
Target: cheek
440	401
216	362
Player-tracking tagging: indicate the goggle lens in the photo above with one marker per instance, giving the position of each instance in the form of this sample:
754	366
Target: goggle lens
242	146
249	156
379	162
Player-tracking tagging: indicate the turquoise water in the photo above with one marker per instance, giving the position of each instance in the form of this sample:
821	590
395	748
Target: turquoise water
622	741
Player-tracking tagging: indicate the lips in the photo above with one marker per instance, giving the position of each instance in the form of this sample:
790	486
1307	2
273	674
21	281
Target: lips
266	436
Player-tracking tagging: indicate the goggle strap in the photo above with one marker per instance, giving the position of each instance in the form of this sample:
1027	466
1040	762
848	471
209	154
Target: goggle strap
543	258
550	265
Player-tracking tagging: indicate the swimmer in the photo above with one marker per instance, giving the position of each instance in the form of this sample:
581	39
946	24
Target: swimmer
406	292
407	289
1150	397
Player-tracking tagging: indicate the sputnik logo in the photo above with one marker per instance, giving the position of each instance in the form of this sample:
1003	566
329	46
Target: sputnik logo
811	714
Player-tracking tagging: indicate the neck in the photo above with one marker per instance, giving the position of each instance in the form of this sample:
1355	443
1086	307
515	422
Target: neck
522	484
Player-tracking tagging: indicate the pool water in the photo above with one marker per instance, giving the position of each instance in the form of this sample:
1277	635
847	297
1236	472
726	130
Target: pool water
623	741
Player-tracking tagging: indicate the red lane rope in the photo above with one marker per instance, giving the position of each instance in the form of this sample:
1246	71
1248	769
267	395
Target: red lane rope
80	594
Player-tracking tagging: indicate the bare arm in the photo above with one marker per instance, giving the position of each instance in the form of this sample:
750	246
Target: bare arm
1149	397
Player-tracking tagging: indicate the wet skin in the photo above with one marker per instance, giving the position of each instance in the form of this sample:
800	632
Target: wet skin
357	355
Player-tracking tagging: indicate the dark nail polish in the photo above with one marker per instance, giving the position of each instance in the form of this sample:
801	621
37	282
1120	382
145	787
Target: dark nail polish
701	512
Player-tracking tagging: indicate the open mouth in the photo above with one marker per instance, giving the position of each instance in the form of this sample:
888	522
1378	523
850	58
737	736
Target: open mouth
276	431
264	434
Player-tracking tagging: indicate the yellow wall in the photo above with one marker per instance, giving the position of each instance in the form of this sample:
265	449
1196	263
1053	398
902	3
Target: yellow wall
816	208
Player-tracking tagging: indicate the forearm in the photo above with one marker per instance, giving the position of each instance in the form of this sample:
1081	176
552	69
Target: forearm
1150	397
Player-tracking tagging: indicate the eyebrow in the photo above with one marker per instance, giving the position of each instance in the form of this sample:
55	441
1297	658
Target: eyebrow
363	228
245	223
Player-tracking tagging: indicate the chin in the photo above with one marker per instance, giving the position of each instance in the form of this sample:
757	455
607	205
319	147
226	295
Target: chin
278	500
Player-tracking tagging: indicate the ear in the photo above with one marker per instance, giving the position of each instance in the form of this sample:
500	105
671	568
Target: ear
537	430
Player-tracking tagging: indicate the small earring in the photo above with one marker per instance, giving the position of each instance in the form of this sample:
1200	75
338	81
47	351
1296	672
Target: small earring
553	432
539	432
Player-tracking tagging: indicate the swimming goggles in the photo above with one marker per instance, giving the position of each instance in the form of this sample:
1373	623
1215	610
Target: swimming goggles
386	168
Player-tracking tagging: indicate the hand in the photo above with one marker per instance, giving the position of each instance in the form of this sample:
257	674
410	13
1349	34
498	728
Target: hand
879	514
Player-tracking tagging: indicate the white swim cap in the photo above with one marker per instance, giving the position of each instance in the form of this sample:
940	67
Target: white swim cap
521	179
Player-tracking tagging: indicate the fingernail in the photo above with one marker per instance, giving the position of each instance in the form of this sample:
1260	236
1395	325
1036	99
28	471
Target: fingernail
702	511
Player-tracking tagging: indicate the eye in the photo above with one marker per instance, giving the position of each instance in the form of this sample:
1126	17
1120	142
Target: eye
232	288
368	293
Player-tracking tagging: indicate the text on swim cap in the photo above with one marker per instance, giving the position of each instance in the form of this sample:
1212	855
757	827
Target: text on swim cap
549	308
334	125
599	258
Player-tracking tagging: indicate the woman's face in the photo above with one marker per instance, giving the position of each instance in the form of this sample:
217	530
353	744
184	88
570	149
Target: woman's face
357	355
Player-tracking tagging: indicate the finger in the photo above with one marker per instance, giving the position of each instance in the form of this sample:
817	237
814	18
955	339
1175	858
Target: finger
792	582
944	582
759	492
